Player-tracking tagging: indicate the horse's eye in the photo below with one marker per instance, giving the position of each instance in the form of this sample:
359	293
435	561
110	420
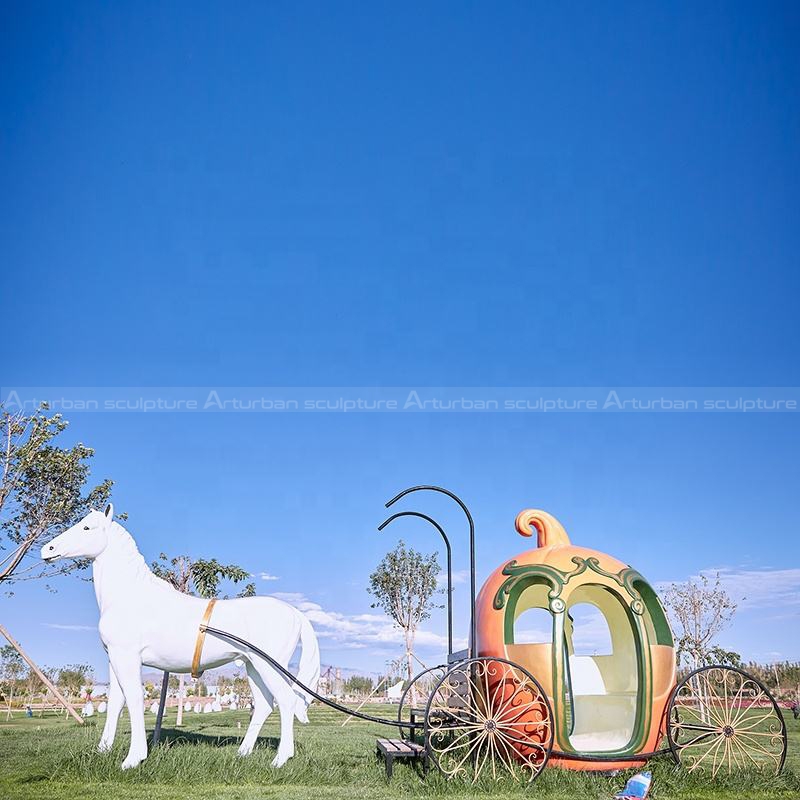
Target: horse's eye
86	527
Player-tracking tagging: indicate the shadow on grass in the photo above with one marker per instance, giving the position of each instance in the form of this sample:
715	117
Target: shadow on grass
170	736
34	779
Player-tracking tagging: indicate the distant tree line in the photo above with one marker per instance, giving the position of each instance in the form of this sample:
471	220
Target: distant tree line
19	685
358	685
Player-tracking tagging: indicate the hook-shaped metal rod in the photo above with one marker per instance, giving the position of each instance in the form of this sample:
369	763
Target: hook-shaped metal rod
449	566
473	642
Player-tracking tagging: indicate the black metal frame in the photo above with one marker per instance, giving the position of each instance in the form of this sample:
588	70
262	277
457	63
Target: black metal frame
472	620
449	566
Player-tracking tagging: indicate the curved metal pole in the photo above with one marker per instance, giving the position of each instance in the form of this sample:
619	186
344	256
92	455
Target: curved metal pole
473	639
449	566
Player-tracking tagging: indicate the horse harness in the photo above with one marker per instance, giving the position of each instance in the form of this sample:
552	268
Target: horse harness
201	637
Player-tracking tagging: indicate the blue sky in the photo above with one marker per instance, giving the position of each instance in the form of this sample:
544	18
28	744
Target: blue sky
313	195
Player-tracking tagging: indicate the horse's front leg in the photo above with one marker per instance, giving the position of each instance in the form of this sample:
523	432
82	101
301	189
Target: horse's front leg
127	666
116	700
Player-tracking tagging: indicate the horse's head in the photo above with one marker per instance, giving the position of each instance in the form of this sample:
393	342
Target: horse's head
86	539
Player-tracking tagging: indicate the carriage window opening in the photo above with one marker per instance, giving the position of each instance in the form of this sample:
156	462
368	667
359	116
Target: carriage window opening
590	633
529	620
534	626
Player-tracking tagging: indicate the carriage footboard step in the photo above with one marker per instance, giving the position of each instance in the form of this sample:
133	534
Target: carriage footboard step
390	749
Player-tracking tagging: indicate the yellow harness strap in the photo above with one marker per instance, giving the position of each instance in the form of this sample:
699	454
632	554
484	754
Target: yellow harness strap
201	637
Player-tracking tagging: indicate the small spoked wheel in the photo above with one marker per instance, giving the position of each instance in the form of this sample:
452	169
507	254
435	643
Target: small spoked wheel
722	720
415	698
489	716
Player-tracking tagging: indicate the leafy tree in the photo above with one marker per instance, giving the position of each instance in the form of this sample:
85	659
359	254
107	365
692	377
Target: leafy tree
207	576
358	684
43	490
241	688
51	673
403	586
12	671
790	681
728	658
787	680
72	677
33	684
700	610
175	571
782	678
201	576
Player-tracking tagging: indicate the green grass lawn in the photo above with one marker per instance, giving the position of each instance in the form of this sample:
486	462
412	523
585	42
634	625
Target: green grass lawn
56	758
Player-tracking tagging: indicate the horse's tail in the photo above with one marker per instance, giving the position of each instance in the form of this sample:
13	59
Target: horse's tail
308	672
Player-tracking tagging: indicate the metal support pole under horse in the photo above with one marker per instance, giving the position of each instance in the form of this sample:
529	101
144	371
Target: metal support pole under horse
161	706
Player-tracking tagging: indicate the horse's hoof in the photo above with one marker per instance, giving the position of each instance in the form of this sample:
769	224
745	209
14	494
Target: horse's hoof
244	751
131	761
280	760
103	747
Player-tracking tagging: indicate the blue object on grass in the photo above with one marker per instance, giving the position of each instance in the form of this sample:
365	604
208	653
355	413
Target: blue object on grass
637	787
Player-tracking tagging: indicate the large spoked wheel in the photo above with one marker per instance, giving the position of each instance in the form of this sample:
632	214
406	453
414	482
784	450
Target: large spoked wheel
415	697
489	716
721	720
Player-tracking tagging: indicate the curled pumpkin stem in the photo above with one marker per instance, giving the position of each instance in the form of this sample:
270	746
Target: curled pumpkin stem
548	529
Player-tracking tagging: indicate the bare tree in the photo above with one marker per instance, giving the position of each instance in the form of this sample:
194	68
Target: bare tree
403	585
700	610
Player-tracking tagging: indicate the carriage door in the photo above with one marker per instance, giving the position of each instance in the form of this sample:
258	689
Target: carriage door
601	668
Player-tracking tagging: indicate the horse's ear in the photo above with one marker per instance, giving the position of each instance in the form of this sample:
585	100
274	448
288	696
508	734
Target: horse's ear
109	511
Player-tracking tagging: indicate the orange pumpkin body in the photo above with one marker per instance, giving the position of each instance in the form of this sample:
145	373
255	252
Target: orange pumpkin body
604	705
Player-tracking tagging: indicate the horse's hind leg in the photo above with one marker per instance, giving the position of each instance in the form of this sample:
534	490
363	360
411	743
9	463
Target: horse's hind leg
270	681
262	708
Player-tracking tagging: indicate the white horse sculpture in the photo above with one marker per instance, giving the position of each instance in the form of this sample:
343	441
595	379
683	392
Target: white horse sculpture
144	620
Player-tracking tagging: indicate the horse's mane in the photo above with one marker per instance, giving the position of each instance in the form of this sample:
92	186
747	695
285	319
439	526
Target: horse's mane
127	546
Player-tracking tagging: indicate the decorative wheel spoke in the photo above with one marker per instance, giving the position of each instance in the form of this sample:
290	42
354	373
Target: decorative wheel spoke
488	716
721	720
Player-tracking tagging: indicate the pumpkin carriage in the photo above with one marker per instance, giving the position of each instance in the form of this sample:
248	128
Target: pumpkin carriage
511	704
